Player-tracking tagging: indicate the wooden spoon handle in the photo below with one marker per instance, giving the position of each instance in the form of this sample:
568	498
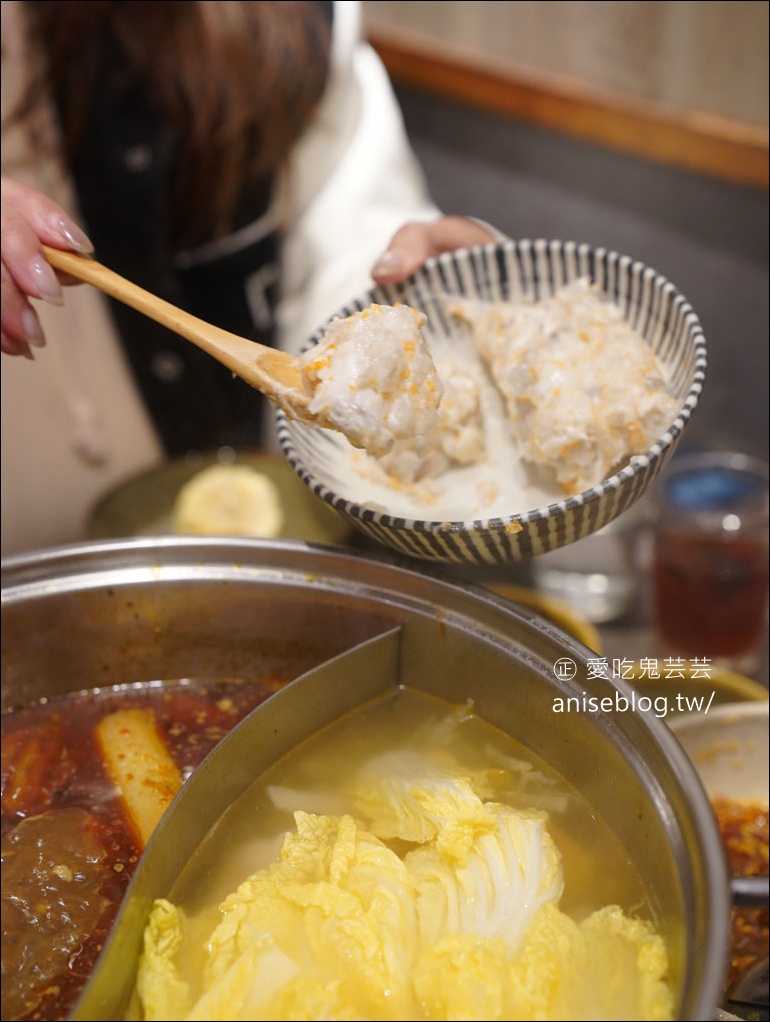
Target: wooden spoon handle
266	369
92	272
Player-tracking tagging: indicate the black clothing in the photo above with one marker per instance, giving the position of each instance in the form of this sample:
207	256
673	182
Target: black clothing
122	175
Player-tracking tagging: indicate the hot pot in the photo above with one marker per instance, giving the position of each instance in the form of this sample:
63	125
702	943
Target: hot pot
112	613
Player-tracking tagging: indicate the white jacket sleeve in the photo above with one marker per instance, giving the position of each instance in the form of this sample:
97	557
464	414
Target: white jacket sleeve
352	182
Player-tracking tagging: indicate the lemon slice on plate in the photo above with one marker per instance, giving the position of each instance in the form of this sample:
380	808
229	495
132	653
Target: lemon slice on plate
229	500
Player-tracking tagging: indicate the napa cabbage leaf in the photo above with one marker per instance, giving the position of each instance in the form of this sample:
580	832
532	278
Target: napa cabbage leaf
427	900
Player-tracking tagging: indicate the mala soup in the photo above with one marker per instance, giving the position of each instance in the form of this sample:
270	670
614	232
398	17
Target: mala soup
408	861
69	846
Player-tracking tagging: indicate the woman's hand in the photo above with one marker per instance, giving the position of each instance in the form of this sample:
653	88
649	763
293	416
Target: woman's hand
29	220
415	242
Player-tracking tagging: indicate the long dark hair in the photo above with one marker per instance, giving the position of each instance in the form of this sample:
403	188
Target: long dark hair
238	80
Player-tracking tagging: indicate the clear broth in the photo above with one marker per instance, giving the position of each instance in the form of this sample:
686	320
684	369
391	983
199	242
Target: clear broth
597	870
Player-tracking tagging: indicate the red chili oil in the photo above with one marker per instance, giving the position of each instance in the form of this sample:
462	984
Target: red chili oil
68	850
744	830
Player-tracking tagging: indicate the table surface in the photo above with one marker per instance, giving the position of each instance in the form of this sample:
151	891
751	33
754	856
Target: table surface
632	637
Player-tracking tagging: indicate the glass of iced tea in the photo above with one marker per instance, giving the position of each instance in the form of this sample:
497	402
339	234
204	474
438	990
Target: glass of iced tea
710	560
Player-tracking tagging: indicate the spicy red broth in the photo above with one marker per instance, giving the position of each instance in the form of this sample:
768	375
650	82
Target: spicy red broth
68	847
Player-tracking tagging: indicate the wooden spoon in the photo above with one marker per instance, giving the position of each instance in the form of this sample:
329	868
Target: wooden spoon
274	373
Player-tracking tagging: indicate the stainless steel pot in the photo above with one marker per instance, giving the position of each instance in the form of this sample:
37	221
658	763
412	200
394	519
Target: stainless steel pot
116	612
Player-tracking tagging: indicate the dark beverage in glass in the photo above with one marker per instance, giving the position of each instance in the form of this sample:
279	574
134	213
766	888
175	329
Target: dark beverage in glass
710	562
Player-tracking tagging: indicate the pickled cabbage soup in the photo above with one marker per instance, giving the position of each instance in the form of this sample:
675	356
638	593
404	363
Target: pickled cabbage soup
409	861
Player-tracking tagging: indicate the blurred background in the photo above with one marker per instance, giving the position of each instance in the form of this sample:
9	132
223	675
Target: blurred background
639	126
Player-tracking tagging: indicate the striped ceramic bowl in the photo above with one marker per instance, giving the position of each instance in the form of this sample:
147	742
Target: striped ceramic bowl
511	271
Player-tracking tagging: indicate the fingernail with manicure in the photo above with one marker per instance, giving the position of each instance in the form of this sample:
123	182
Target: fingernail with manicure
388	264
19	348
33	332
73	235
48	287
